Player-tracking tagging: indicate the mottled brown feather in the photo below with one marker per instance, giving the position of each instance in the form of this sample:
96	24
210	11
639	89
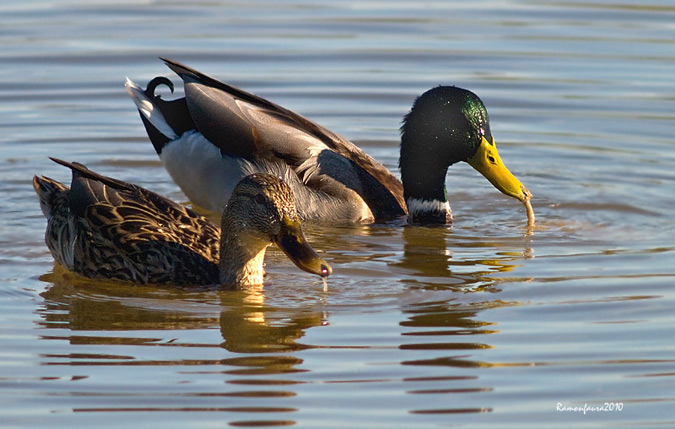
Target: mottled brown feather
126	232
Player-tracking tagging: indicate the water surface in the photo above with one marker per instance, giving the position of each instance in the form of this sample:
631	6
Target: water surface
482	324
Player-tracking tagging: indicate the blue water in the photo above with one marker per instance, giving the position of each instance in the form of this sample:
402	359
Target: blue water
481	324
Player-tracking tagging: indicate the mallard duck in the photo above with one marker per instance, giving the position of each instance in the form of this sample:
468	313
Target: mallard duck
217	134
105	228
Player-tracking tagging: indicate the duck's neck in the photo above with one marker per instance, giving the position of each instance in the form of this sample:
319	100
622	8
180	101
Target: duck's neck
424	192
241	255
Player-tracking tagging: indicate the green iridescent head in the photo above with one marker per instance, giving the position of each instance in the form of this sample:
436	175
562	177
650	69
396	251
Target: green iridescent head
447	125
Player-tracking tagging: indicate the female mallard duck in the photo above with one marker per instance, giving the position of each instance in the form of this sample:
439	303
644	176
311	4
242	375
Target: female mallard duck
104	228
217	134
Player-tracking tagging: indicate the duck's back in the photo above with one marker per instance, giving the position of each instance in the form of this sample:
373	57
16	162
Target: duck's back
242	124
253	134
107	229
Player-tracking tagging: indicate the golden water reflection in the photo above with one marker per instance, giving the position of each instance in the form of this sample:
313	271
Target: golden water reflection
448	336
439	258
432	259
246	323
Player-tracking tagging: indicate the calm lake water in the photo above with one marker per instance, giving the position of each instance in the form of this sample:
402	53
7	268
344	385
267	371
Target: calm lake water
481	324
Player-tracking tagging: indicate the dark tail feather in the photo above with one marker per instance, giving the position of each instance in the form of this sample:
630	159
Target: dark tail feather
183	70
83	171
80	170
48	190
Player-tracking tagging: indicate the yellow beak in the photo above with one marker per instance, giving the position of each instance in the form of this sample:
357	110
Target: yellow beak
489	164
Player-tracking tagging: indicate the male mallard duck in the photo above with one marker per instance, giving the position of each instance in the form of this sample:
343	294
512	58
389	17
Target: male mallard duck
104	228
217	134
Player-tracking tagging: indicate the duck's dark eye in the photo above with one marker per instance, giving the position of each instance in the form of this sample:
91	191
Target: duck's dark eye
260	199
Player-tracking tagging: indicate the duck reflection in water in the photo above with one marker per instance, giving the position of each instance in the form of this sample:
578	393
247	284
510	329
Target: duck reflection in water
247	324
428	254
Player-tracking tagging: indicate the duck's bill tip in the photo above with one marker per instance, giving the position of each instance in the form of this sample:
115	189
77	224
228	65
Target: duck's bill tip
293	243
326	270
312	264
306	258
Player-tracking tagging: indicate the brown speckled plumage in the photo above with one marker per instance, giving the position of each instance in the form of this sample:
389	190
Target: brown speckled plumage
104	228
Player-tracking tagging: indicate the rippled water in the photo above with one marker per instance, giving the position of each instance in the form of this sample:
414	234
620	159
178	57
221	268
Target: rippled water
481	324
